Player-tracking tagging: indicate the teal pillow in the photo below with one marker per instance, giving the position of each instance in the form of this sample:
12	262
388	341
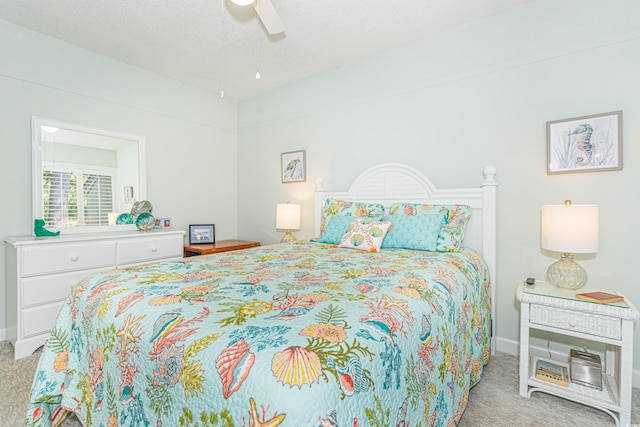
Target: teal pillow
337	226
456	218
339	207
413	232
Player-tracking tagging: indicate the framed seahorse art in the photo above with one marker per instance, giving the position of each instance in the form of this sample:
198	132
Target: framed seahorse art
585	144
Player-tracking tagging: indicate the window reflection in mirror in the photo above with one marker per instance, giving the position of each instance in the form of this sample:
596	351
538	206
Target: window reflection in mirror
85	177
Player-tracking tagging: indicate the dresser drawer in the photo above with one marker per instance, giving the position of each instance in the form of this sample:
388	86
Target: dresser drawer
39	320
133	251
48	259
593	324
45	289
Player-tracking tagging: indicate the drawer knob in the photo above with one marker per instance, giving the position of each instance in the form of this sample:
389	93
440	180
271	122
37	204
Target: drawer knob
154	248
573	322
75	257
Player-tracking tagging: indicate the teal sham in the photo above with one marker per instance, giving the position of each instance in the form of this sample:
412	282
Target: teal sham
413	232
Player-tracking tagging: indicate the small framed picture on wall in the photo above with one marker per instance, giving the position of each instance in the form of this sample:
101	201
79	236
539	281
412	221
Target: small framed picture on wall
293	166
128	194
202	233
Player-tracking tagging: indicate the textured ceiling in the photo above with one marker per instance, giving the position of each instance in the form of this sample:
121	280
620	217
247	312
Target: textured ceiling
213	43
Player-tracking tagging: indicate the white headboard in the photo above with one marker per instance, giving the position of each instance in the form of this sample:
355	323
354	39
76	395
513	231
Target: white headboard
396	183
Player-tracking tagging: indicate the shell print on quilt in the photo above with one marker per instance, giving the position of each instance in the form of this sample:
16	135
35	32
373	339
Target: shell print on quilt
234	364
164	323
296	366
425	337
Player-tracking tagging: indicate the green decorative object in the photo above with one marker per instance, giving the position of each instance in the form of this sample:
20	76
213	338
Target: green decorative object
40	231
145	221
125	218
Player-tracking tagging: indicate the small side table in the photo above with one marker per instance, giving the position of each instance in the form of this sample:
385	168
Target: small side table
547	308
217	247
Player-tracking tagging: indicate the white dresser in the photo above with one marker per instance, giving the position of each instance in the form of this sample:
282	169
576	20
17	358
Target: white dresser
40	271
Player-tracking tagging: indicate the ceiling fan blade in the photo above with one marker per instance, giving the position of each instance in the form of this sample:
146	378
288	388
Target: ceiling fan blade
268	16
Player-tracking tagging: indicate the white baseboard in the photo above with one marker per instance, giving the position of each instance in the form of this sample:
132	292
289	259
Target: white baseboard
513	347
3	335
508	346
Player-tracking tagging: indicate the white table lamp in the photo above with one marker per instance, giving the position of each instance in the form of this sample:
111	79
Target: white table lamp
288	218
569	229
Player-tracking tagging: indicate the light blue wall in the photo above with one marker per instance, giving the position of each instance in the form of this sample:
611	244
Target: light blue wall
448	105
477	95
191	134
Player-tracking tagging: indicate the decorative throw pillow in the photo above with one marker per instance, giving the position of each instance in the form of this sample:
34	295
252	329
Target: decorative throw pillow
351	209
364	235
337	226
452	232
413	232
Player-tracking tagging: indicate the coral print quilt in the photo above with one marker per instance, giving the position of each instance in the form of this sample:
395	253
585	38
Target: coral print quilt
303	334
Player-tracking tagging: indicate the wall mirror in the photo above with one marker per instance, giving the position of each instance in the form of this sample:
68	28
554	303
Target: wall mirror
84	177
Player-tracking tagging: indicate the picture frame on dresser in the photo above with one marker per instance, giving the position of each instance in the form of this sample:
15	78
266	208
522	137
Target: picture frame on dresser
202	233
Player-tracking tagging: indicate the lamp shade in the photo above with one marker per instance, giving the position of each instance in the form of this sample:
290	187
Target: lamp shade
569	228
288	216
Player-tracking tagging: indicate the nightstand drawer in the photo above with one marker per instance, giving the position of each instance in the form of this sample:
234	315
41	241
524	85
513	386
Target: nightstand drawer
593	324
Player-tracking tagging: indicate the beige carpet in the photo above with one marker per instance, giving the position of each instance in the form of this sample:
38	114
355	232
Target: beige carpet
493	402
15	381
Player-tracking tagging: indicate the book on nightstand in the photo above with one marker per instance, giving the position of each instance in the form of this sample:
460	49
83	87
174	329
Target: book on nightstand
552	373
600	297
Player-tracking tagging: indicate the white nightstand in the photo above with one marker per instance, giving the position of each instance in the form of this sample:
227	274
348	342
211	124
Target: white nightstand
547	308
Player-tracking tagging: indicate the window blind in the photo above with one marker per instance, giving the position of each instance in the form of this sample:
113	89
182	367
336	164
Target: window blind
70	201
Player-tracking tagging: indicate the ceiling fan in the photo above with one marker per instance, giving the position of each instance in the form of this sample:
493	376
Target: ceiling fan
266	13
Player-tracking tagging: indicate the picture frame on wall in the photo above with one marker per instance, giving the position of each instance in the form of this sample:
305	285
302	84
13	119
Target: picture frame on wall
293	166
585	144
202	233
128	194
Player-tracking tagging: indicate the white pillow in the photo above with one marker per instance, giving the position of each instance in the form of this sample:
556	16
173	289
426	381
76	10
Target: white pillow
365	235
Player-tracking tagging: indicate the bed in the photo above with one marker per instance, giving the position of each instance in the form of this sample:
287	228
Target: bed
302	334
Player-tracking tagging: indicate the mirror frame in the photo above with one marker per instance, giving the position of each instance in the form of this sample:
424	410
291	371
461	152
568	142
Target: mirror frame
36	170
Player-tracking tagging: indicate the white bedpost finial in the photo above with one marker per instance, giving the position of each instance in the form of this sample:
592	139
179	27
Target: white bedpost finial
489	173
319	184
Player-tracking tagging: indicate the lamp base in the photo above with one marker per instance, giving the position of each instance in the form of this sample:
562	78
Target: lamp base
288	237
566	273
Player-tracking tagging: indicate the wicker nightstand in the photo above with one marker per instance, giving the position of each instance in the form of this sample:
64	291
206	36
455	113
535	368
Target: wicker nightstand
548	308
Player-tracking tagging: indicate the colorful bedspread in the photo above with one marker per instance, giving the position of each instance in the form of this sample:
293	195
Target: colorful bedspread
297	335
